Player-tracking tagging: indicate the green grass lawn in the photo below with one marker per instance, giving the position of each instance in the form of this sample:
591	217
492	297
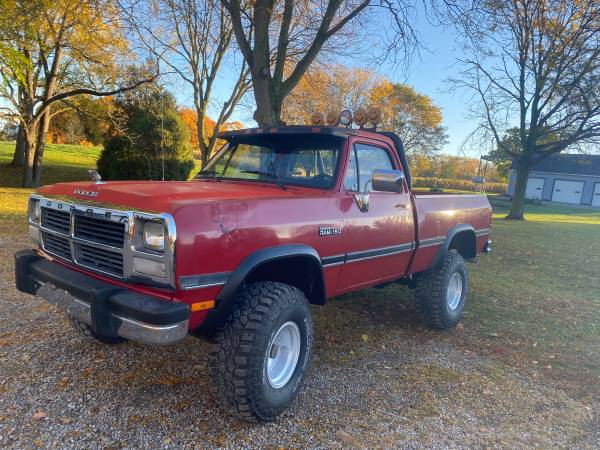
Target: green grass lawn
534	302
61	163
539	291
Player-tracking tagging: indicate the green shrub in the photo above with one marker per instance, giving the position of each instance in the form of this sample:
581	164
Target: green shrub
139	155
455	183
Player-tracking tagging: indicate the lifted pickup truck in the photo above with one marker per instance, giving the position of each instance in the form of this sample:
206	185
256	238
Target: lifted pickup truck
279	219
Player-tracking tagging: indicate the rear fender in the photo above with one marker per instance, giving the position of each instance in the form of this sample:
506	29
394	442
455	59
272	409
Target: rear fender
460	237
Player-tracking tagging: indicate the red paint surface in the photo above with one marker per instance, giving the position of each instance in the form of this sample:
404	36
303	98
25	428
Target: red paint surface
219	223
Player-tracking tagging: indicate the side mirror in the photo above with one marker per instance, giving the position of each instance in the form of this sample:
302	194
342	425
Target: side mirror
388	180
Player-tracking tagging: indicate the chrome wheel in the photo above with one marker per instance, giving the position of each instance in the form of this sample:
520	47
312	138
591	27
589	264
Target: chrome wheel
454	292
284	351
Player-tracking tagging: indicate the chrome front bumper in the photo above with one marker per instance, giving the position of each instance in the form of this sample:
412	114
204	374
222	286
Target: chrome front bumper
108	309
127	328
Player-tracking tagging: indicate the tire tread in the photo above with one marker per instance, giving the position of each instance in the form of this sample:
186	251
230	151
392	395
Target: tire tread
431	292
86	331
233	354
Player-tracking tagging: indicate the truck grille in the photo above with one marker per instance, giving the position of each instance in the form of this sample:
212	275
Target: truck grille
100	259
100	231
56	220
57	245
94	229
104	240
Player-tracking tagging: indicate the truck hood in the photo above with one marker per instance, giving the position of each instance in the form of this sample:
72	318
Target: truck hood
168	196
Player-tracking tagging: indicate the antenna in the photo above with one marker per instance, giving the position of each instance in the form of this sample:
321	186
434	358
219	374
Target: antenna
162	133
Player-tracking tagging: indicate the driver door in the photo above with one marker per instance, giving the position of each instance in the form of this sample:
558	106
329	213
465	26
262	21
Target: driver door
378	241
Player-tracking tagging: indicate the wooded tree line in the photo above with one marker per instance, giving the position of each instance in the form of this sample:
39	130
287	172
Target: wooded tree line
93	122
411	115
456	167
530	65
51	52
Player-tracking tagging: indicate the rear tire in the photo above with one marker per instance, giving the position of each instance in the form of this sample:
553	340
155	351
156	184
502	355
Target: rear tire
86	331
442	292
260	356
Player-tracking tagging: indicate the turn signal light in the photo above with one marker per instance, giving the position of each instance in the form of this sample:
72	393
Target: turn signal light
208	304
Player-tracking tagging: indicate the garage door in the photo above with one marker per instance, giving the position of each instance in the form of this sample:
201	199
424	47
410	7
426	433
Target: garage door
596	196
567	191
535	187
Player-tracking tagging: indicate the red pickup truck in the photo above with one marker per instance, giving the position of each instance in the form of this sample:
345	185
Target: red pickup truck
279	219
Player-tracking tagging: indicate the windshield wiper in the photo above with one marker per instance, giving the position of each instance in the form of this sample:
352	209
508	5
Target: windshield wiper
273	177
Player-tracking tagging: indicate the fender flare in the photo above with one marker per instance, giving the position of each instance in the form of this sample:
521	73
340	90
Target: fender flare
452	233
217	316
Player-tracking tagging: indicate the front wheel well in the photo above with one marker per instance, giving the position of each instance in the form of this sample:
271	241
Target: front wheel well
303	272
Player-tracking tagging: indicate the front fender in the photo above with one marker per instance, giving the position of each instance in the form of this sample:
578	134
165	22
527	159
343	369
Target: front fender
225	300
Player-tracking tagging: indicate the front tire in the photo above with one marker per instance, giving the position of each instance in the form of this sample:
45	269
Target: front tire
86	331
442	292
259	358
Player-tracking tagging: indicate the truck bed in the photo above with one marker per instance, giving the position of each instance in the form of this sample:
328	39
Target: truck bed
436	213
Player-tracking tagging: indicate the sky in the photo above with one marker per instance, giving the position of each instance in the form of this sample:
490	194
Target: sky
427	73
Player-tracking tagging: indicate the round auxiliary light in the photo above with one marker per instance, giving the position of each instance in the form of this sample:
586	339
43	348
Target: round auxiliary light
346	118
317	118
360	116
332	118
374	116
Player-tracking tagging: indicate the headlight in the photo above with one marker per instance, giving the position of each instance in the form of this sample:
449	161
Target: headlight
154	236
34	210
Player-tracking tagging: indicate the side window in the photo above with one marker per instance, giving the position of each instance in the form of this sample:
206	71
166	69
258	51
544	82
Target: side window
369	159
364	159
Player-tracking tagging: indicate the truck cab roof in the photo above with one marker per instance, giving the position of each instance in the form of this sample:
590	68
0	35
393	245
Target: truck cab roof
341	132
300	129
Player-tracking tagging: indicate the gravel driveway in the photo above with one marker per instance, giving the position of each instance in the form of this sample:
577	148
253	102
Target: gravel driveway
377	380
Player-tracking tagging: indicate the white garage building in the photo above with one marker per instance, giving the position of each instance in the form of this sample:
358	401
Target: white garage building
563	178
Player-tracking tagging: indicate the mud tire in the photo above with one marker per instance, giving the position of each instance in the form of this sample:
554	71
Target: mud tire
239	356
432	293
86	331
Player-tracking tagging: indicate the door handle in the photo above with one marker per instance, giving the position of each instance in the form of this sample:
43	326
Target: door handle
402	205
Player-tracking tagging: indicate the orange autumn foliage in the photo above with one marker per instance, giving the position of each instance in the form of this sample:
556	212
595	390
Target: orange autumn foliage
190	119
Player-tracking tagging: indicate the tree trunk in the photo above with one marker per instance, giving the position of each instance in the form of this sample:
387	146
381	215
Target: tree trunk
26	109
29	159
42	136
202	148
204	154
20	145
518	200
268	103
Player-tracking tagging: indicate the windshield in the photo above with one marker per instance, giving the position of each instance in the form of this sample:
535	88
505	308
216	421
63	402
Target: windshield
298	160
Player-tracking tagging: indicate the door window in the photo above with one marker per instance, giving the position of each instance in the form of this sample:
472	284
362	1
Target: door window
364	159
